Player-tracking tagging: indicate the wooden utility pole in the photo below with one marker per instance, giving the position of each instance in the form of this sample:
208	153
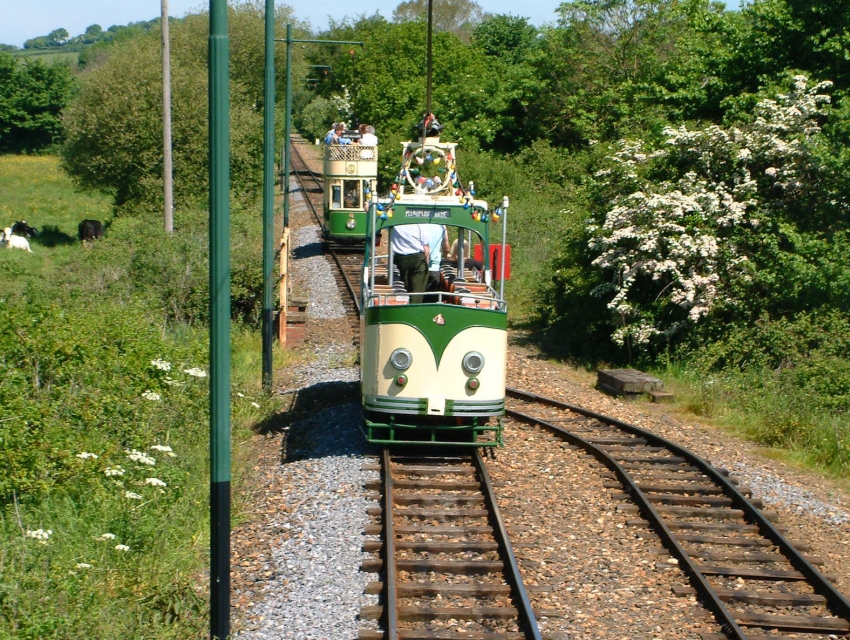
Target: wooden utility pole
168	206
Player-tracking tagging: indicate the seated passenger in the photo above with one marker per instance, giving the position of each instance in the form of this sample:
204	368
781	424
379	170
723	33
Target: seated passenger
335	135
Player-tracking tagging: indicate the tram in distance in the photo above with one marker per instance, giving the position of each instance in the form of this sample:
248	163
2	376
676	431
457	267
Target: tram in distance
349	172
432	364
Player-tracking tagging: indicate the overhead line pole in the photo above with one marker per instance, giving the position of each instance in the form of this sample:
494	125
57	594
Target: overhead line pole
219	177
167	173
268	200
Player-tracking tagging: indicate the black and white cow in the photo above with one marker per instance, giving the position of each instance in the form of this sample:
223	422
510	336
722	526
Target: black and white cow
21	228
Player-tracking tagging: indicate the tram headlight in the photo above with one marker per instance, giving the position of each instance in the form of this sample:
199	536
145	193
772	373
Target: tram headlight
473	362
401	359
350	224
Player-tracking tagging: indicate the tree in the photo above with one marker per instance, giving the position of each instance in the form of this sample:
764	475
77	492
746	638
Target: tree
508	38
459	17
32	97
57	37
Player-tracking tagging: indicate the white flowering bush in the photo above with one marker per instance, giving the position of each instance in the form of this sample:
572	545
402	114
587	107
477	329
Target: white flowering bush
686	218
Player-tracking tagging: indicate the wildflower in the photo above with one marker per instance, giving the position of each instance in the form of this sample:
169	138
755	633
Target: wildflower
161	447
113	471
41	535
171	382
240	395
122	547
195	372
161	364
85	455
155	482
132	496
141	458
255	405
83	565
151	395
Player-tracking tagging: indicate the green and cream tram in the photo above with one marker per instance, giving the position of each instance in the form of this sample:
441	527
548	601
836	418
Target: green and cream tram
433	366
349	172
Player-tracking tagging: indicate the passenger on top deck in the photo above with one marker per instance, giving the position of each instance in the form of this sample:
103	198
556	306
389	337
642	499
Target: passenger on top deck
335	135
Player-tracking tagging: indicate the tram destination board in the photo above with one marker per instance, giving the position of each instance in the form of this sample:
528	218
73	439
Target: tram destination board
443	214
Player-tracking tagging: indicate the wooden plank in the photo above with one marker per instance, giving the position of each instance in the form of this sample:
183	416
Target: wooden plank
629	380
754	574
435	547
803	624
762	598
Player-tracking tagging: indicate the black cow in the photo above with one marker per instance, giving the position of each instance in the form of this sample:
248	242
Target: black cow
21	228
90	230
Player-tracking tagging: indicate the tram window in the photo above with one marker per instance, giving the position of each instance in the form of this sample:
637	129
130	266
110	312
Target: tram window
336	197
352	191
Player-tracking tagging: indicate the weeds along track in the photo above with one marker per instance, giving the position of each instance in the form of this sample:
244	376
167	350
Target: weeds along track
347	257
447	565
755	582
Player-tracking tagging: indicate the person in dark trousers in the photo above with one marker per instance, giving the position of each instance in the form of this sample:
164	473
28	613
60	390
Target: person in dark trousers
410	254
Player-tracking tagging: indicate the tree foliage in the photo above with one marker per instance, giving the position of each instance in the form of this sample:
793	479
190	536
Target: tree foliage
115	124
458	17
32	97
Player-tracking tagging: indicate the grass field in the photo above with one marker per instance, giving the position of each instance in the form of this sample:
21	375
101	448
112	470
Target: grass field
48	57
104	418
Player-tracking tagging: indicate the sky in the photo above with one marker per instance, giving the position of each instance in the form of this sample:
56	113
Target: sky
21	20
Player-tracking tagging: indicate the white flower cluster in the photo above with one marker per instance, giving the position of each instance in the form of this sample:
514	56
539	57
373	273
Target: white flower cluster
679	232
155	482
85	455
141	458
161	364
195	372
113	471
162	448
41	535
106	536
151	395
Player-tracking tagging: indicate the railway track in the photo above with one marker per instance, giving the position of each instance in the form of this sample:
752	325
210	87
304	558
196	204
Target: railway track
347	257
447	564
755	582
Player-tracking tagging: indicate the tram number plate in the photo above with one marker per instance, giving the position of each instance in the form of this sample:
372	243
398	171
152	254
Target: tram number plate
445	214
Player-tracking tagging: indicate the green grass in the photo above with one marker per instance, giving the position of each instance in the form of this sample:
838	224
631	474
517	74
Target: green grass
83	330
48	57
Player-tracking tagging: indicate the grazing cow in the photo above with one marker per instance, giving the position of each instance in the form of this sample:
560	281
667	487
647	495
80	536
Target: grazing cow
23	229
90	230
13	242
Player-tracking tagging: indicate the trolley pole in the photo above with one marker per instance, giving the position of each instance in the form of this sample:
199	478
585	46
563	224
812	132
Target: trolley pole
268	200
219	132
288	114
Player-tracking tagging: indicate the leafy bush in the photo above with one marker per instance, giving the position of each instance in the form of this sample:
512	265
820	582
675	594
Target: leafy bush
34	95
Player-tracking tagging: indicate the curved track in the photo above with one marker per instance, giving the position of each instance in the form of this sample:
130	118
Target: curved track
448	567
720	538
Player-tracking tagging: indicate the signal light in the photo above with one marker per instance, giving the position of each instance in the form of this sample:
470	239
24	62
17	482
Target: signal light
473	384
401	380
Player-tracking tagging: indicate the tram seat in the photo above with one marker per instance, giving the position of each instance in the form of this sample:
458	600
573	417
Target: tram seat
390	294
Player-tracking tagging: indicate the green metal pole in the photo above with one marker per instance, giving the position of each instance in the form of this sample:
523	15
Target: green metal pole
268	201
219	133
287	126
